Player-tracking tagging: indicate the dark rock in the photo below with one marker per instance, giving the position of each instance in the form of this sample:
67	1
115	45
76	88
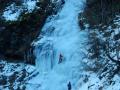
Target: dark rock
3	80
16	36
97	11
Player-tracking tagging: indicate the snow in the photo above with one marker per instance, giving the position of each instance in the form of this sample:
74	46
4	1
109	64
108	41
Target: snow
29	68
8	68
30	5
13	12
94	83
8	15
19	71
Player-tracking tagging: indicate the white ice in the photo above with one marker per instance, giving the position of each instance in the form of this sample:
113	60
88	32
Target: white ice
13	12
61	35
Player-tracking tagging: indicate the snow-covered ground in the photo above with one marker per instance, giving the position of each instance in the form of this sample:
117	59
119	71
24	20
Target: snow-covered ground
13	76
13	12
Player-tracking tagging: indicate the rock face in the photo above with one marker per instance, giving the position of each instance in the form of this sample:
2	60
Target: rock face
16	36
97	11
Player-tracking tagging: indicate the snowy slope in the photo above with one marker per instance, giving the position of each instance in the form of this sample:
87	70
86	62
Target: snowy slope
12	12
13	75
61	35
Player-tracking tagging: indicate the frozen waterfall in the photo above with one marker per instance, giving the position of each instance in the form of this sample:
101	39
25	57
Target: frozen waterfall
61	35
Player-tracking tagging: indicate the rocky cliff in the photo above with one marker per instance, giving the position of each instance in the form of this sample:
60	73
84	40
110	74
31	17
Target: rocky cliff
16	36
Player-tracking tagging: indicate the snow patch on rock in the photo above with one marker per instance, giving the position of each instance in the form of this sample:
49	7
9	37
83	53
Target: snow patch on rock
13	12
